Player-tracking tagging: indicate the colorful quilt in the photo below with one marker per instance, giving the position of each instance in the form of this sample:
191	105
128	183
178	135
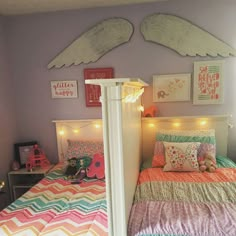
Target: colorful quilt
55	207
181	203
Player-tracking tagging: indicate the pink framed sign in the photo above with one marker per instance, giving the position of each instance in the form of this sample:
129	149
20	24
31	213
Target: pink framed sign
208	82
93	92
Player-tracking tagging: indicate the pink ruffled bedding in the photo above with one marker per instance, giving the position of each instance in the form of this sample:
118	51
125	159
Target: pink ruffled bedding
194	204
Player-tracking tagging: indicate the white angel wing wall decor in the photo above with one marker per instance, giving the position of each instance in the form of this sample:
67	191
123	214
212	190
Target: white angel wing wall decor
94	43
183	37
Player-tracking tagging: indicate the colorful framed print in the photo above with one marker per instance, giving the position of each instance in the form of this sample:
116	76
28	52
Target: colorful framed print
93	92
171	88
208	82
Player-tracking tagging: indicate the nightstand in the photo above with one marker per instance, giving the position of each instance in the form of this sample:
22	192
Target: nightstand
20	181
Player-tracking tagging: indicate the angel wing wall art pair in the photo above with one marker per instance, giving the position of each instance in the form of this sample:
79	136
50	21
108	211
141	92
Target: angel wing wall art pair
170	31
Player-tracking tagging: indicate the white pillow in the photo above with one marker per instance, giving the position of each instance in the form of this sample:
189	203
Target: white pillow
181	156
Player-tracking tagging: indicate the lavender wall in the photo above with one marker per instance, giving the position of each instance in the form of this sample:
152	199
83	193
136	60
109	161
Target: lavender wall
35	39
7	108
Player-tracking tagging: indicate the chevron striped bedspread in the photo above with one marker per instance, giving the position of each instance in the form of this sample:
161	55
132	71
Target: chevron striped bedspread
174	203
55	207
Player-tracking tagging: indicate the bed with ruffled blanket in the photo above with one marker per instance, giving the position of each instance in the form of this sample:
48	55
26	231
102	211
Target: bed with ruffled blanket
185	203
54	206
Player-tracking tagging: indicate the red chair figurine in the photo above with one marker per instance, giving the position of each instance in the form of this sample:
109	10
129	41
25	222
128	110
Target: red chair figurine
37	158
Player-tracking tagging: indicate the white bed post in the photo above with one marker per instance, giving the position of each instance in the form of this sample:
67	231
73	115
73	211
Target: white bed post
122	148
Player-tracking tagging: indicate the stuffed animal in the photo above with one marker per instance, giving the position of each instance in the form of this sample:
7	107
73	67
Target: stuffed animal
207	164
71	168
82	165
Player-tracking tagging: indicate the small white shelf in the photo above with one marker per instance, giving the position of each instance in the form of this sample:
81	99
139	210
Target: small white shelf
22	180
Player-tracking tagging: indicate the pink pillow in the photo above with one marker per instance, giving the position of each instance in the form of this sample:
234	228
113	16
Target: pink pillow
158	159
207	148
96	168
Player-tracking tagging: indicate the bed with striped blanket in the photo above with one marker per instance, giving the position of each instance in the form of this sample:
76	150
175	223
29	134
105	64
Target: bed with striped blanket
184	203
55	207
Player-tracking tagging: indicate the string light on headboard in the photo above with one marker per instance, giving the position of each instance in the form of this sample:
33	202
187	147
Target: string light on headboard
76	130
61	132
97	126
176	124
187	122
203	123
151	125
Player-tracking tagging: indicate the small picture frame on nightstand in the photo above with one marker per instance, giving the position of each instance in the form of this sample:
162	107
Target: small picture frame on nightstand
22	151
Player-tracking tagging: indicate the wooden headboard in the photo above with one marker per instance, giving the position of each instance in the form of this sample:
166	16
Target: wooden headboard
76	129
150	127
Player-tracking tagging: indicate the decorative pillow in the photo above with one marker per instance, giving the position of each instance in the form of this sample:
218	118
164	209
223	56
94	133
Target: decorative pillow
197	132
97	167
79	148
181	156
205	137
206	148
202	136
181	139
158	159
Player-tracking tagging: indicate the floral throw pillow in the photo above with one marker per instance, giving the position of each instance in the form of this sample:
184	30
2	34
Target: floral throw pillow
97	167
80	148
181	156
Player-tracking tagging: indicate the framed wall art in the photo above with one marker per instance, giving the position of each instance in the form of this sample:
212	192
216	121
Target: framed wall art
22	151
171	88
93	92
64	89
208	82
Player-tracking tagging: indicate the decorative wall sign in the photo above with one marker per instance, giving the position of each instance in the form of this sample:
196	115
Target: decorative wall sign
93	92
183	37
94	43
64	89
171	88
208	82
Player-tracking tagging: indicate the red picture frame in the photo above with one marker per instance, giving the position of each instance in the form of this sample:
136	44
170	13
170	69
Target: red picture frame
93	92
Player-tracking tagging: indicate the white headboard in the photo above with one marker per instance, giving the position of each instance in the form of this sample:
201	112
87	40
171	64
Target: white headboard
150	127
76	129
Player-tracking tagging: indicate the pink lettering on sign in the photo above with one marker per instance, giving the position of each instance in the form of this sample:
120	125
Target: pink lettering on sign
208	82
64	93
63	85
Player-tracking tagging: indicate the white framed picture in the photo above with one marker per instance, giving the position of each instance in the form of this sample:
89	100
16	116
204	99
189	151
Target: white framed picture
171	88
208	82
64	89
